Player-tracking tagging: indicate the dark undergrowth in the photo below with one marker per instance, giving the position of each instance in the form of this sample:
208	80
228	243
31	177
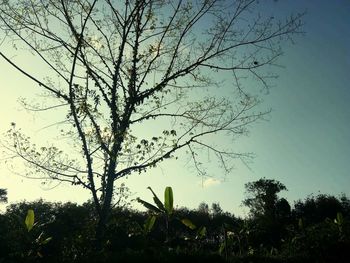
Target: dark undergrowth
316	230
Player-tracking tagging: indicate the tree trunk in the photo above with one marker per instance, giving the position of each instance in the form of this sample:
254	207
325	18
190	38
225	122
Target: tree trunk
104	215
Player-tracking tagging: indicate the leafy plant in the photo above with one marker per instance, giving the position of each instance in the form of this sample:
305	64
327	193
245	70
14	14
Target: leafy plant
36	241
165	210
339	221
29	221
149	223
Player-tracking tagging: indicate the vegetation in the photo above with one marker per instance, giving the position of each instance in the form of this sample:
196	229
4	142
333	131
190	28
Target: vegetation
316	229
3	195
110	70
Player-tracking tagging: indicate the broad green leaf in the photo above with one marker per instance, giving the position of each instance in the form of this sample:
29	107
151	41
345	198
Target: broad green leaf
149	223
168	200
156	200
29	221
202	232
149	206
188	223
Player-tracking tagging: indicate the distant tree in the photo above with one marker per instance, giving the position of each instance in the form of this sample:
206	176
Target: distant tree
262	197
3	195
345	201
269	213
283	209
203	208
113	67
216	209
71	230
315	209
43	210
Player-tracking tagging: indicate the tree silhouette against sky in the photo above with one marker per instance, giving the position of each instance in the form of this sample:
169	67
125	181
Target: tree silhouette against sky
138	82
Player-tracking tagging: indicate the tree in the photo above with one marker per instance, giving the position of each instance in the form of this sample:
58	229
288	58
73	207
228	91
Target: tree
203	208
283	209
315	209
262	197
216	209
112	68
269	213
3	195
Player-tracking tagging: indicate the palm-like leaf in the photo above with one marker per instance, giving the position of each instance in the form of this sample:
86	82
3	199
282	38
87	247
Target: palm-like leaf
156	200
188	223
149	206
29	221
168	200
149	223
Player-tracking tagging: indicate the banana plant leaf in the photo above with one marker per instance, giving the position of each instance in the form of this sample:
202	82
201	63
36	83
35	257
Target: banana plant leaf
149	223
149	206
168	200
156	200
188	223
29	221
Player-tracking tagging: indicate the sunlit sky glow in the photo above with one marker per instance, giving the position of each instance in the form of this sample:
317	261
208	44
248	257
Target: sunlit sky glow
305	144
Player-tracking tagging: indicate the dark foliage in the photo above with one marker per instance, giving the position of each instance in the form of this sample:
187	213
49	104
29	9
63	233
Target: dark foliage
3	195
316	209
317	229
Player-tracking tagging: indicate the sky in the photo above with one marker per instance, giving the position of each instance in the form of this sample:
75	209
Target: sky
305	144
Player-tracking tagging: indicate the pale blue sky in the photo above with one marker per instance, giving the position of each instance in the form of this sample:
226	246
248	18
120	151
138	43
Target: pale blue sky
305	144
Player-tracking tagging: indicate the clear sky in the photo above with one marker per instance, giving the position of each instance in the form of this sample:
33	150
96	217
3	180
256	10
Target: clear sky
305	144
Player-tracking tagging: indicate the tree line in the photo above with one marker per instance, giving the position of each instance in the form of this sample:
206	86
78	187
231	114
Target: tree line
315	229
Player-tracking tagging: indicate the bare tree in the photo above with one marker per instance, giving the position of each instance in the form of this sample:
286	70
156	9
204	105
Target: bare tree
114	68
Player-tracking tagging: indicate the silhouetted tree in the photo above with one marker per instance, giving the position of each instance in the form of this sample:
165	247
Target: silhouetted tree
203	208
345	201
315	209
262	197
113	67
283	209
3	195
266	211
216	209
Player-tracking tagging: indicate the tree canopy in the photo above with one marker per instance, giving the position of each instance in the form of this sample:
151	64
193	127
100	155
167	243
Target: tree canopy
263	199
3	195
